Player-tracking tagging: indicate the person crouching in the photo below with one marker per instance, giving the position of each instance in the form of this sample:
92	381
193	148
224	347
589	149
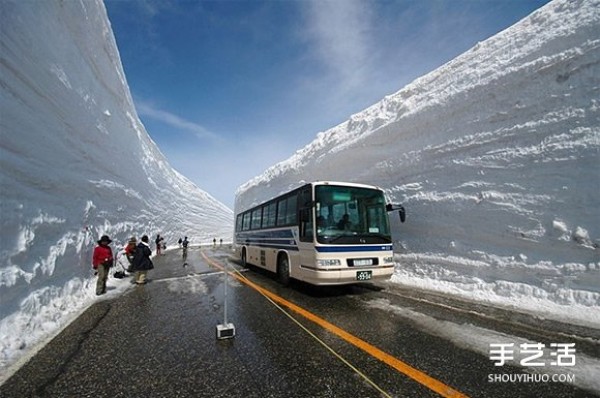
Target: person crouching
102	261
141	261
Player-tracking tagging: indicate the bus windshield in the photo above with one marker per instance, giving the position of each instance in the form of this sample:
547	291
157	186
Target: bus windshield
351	215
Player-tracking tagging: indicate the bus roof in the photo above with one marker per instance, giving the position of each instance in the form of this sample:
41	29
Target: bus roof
348	184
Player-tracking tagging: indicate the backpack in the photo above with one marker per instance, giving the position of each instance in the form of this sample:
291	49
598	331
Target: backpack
119	274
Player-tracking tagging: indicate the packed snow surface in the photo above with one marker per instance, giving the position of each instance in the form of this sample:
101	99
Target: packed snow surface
76	163
496	158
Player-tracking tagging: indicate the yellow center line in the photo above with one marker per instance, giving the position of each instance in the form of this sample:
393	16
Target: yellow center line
404	368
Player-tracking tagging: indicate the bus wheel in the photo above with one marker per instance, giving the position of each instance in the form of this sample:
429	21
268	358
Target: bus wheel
244	263
283	270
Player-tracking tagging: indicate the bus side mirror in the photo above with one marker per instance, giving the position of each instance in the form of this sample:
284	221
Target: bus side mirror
402	213
400	208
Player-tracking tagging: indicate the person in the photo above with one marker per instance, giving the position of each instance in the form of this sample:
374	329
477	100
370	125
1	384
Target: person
130	251
321	222
214	242
180	242
102	260
344	223
184	244
121	264
158	241
141	261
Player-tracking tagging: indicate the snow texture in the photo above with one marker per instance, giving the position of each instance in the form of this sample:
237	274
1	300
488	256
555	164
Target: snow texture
496	157
76	163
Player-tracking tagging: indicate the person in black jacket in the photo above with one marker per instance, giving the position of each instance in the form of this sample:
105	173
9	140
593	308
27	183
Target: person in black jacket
159	239
141	261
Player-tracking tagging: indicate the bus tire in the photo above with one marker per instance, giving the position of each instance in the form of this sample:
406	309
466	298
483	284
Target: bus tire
244	262
283	270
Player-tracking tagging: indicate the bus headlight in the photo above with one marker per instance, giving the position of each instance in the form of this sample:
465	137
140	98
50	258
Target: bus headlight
388	260
328	263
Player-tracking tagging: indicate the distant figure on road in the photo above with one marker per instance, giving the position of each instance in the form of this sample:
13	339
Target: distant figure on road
221	242
184	244
141	261
214	242
102	260
158	242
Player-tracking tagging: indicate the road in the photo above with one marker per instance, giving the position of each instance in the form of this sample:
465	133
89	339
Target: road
376	340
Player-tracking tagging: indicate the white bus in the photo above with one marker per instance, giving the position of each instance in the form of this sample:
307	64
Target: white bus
323	233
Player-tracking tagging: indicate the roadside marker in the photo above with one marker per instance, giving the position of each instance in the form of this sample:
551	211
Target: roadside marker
226	330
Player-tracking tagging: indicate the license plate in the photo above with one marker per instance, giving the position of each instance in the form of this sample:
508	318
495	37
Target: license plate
363	262
364	275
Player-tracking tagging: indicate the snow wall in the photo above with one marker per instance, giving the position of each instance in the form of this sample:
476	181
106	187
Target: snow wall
496	157
76	163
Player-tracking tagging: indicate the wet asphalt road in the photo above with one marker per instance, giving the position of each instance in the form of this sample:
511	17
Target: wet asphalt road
159	340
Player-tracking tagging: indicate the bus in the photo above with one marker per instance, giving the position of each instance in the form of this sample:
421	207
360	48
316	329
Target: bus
323	233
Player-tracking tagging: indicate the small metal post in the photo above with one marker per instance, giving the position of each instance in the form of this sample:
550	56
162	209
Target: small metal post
226	330
225	305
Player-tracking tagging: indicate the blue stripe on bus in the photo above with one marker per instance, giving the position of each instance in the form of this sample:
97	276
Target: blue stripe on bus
269	242
282	239
337	249
286	234
274	246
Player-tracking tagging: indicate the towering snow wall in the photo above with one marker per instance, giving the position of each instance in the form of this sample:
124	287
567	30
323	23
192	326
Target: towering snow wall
76	163
496	157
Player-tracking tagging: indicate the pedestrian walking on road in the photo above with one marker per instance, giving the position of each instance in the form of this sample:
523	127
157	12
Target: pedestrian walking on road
141	261
158	242
184	244
102	260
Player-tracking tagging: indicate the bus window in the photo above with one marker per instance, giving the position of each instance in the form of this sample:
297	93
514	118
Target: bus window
238	223
256	219
246	222
281	211
306	216
269	215
291	215
349	215
286	211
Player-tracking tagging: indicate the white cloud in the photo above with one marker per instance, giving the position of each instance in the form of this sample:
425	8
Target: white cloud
173	120
339	31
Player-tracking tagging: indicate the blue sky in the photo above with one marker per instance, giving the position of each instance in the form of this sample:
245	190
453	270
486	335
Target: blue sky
228	88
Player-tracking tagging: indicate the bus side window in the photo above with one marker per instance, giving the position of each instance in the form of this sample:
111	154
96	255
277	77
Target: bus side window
306	216
281	212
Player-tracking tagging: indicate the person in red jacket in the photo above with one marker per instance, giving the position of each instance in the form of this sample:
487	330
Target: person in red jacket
102	261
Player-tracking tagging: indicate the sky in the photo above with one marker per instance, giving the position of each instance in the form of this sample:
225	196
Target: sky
227	89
